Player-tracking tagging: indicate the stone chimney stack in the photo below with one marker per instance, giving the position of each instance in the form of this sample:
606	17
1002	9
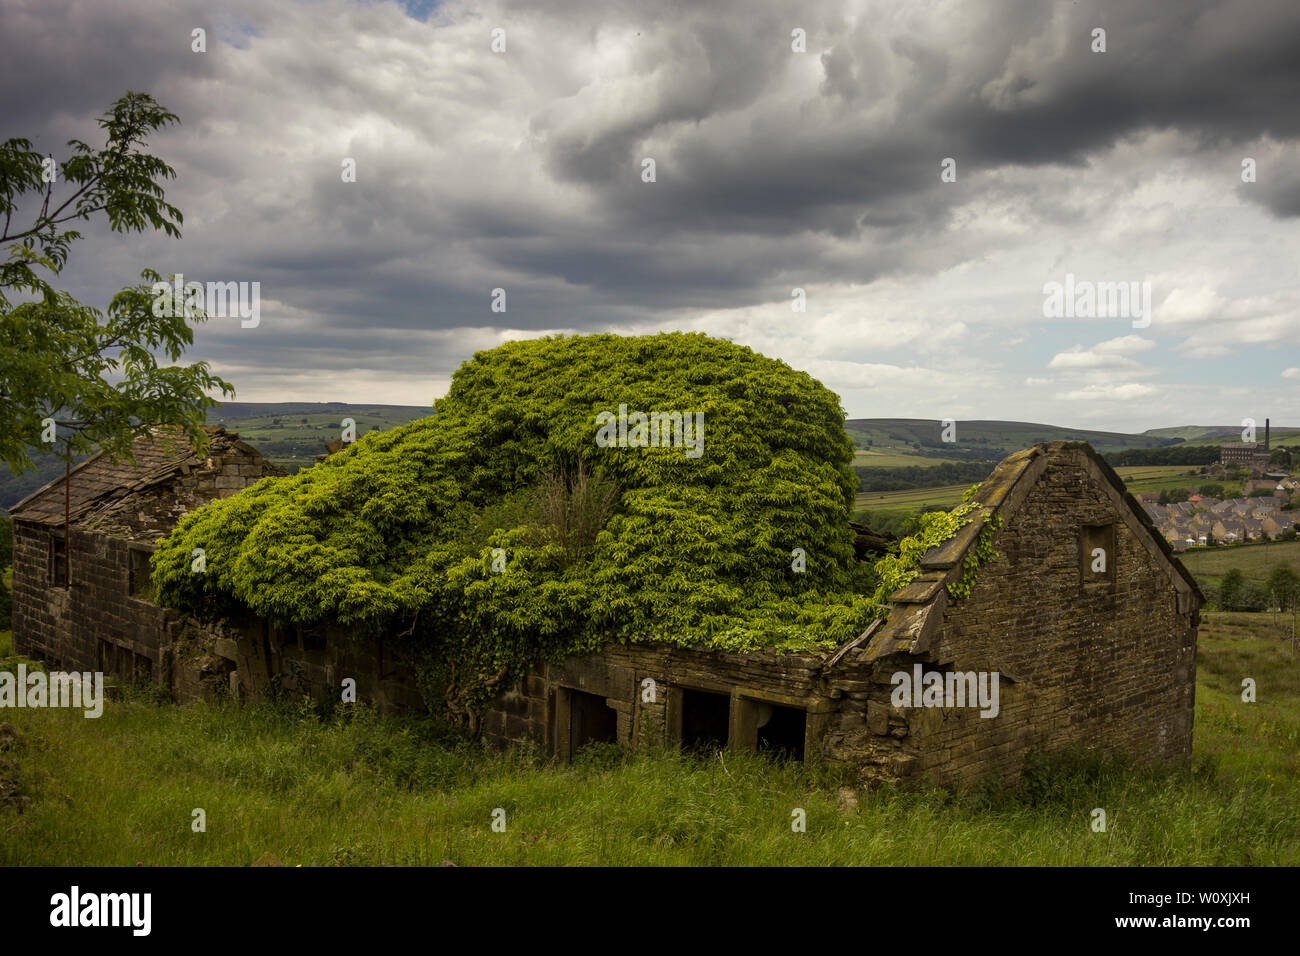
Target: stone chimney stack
1266	436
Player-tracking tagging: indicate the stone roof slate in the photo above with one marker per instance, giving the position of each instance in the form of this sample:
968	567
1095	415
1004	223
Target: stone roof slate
101	485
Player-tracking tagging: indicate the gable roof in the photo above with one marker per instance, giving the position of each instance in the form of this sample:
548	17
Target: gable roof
917	610
99	484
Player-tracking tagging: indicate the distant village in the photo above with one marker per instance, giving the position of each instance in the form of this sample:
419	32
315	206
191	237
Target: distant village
1202	520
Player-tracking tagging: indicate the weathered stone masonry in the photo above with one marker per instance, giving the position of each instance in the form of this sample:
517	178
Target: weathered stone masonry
106	620
1096	659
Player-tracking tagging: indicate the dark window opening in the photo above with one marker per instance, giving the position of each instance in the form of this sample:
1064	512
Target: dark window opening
311	639
781	731
591	720
123	663
58	561
706	719
1097	553
140	578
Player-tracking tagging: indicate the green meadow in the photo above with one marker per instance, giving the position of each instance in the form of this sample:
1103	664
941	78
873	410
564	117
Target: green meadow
1209	565
280	784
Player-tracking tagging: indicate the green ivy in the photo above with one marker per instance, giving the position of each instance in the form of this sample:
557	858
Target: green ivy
395	535
899	570
976	557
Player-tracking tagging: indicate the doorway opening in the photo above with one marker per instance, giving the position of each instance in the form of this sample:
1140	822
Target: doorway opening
706	719
591	720
781	731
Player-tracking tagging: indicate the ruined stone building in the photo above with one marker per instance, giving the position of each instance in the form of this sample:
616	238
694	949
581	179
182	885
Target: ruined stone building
103	618
1094	658
1086	651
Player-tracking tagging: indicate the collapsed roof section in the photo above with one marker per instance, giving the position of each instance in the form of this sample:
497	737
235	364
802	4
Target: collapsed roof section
146	496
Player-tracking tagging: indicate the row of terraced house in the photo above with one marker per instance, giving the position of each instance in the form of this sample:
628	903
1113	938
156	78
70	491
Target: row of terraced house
1200	521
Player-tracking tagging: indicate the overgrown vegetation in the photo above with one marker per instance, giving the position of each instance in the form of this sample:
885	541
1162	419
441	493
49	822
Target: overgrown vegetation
934	528
287	785
431	530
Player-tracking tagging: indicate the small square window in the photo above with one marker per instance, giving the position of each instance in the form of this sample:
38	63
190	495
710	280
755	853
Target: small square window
781	731
591	720
58	576
140	582
1097	554
706	720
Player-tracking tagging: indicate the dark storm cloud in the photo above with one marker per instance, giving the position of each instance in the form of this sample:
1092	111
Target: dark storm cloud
1021	87
522	171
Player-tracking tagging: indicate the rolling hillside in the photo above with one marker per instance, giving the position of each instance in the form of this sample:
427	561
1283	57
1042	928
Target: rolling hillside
291	434
1217	434
977	440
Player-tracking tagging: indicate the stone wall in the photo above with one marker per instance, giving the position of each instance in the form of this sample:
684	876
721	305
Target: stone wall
106	620
644	686
97	624
1106	663
1096	661
301	662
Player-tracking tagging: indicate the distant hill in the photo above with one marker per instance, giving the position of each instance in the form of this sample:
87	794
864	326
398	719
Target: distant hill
291	434
239	411
14	488
1217	434
889	438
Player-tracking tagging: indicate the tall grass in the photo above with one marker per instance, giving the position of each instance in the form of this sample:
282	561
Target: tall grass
280	784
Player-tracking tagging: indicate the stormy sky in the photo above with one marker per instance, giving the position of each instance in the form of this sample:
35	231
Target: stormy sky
774	169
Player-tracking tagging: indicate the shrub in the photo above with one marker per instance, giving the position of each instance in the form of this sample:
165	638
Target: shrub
438	530
1238	594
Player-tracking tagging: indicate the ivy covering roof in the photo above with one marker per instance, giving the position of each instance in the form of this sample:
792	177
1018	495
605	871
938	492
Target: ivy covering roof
437	530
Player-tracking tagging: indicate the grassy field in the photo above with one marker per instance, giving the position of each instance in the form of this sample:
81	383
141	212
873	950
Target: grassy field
1142	472
913	499
1254	560
1231	489
872	458
293	438
282	786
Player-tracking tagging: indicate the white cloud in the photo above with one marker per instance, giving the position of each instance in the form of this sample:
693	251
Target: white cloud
1199	349
1109	393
